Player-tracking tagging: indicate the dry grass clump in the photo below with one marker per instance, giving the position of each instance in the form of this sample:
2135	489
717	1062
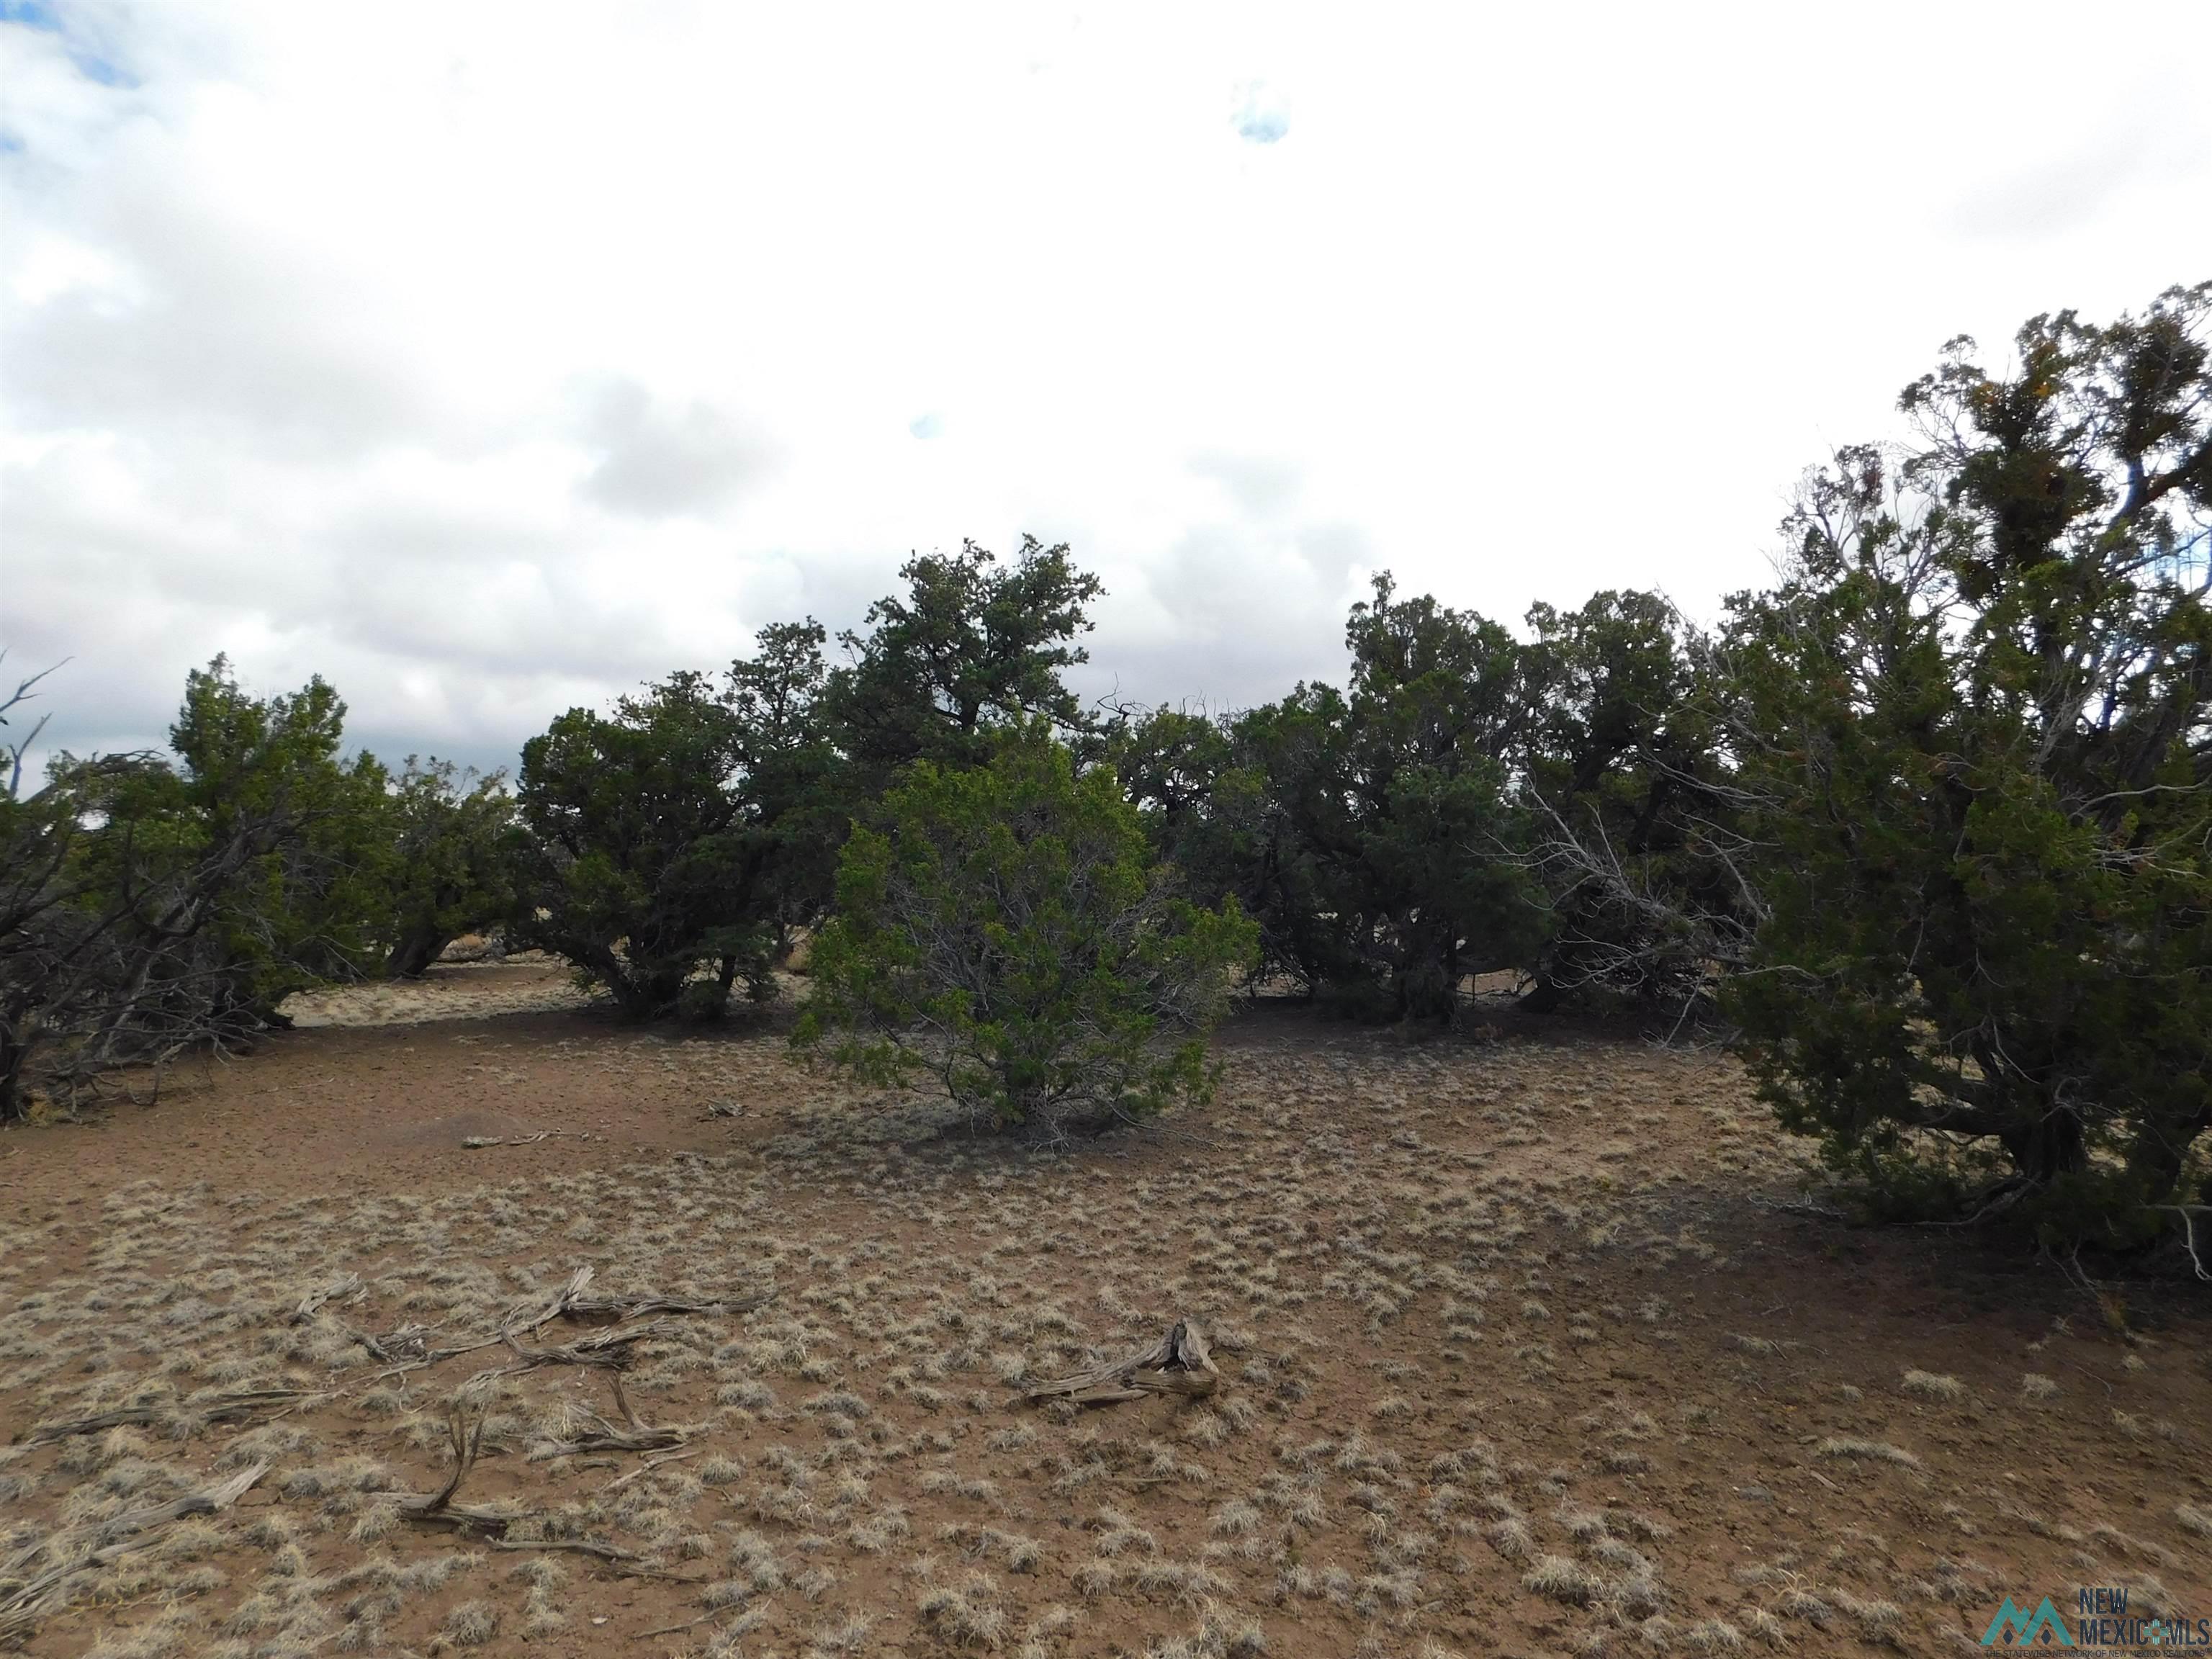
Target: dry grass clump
471	1624
1219	1635
966	1614
1929	1385
1871	1451
1556	1578
1712	1636
1879	1623
1800	1603
846	1635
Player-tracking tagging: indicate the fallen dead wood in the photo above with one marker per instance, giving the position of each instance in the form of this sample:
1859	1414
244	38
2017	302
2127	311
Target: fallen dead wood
313	1301
35	1583
621	1561
438	1509
605	1350
219	1497
646	1467
201	1409
219	1408
1179	1362
534	1317
606	1437
494	1521
670	1630
578	1545
574	1301
629	1307
409	1341
424	1357
408	1348
122	1417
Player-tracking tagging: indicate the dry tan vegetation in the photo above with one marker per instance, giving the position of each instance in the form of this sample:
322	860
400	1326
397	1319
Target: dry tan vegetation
1514	1353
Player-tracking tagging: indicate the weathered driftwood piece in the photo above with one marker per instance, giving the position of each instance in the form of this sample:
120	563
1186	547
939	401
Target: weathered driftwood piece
607	1349
408	1348
36	1581
215	1409
312	1303
534	1317
605	1437
406	1342
1179	1362
574	1301
621	1561
438	1509
630	1307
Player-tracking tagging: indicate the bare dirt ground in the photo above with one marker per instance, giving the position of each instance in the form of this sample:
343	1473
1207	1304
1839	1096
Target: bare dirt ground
1519	1355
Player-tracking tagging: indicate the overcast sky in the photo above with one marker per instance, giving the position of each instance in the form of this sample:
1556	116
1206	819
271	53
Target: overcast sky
486	360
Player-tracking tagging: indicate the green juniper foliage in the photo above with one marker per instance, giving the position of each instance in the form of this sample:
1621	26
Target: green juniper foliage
970	646
1975	728
1368	830
152	903
1007	930
1630	806
310	904
451	857
670	843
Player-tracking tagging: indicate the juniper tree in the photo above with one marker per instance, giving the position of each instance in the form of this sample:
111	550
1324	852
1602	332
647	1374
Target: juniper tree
1977	736
1006	930
670	843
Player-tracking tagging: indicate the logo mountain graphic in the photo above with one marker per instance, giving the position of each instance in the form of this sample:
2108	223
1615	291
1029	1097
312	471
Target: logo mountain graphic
2016	1626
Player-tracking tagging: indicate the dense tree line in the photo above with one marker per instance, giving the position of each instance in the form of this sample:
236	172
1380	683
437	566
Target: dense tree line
1924	825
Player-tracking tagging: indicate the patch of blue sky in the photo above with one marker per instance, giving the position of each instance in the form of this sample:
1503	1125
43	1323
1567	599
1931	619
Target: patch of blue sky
48	18
1263	127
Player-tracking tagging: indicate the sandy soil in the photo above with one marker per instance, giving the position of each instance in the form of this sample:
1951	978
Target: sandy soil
1522	1352
519	985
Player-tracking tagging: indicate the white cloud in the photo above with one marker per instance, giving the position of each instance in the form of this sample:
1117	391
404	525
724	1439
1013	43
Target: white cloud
1262	115
487	359
656	462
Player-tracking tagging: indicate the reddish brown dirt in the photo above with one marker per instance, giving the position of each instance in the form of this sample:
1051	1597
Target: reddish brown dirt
1587	1384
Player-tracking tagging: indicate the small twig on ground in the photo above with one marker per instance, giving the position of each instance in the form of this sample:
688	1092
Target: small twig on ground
670	1630
621	1561
647	1466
